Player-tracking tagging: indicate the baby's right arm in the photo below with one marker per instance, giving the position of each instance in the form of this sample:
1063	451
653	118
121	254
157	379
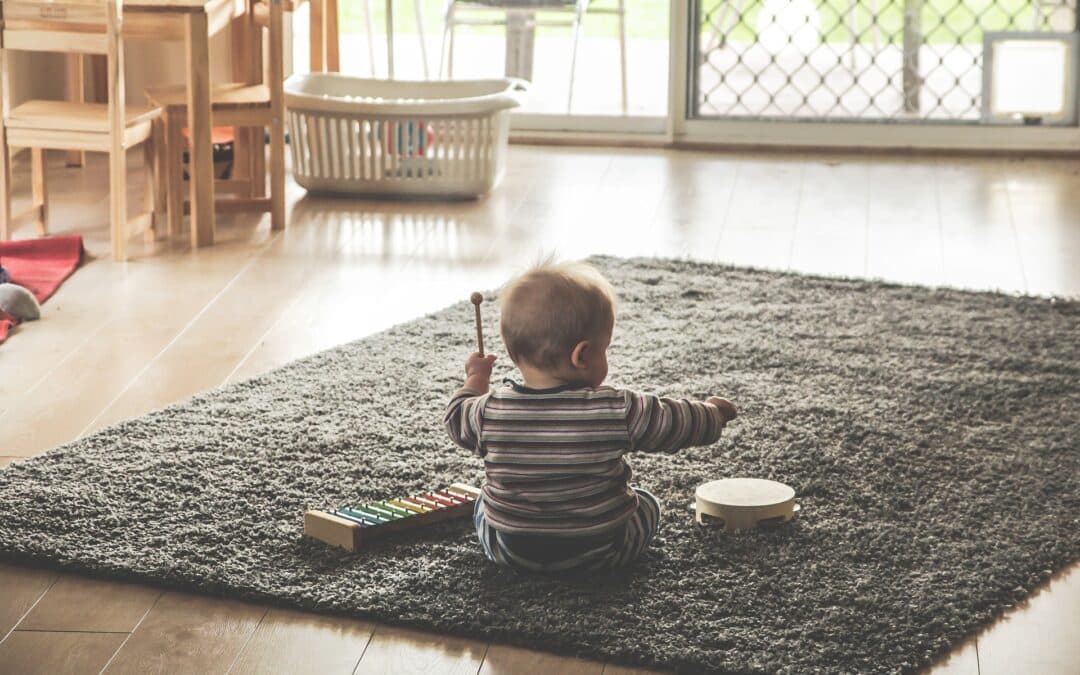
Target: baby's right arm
464	413
659	424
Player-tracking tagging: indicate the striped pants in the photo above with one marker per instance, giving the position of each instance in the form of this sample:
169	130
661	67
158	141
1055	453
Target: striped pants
624	548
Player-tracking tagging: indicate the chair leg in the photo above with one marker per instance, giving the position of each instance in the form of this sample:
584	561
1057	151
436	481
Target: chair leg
420	33
257	157
365	6
38	190
446	49
277	176
389	39
75	85
161	185
241	161
579	17
152	192
277	130
5	186
622	55
317	38
174	174
333	40
118	202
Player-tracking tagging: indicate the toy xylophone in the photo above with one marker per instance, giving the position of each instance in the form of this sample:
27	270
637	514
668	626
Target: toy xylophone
350	526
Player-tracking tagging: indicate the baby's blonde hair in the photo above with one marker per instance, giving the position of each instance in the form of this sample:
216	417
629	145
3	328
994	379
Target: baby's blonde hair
552	307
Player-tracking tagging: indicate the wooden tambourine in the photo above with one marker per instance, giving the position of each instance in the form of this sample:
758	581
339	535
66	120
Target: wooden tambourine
744	503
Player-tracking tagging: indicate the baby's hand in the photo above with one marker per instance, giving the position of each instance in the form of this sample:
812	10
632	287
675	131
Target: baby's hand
727	408
479	366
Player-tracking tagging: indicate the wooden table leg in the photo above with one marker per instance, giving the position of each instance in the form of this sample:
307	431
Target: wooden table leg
243	70
201	166
38	188
330	36
75	86
257	151
5	152
316	36
5	181
174	174
277	127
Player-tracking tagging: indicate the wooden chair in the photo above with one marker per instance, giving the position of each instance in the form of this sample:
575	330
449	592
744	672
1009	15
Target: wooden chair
251	107
84	27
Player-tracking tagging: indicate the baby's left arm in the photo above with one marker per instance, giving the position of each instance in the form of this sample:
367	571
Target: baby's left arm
661	424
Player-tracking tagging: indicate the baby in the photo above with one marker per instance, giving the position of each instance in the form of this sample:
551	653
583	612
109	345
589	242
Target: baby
557	496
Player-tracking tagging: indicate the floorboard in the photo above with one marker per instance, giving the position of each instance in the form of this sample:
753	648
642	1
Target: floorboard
81	604
503	660
408	652
186	633
300	643
48	653
20	589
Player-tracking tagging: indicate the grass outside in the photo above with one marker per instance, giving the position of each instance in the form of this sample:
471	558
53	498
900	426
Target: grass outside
943	21
644	19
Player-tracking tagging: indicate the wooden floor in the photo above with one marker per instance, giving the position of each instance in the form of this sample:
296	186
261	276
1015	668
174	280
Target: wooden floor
120	340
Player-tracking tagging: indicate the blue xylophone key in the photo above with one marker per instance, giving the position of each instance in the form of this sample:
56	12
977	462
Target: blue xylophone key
358	512
344	513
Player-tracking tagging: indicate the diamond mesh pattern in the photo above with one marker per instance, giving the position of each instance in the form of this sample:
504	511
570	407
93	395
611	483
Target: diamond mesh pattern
905	60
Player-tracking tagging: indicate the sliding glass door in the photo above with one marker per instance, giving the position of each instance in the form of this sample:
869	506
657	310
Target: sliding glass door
936	67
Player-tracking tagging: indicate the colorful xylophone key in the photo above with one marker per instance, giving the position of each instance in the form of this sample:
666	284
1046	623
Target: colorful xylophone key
350	526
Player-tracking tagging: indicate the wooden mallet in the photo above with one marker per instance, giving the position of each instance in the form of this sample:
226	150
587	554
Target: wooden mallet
476	299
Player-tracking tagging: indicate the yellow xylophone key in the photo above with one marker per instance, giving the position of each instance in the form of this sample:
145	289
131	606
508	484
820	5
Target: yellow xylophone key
415	508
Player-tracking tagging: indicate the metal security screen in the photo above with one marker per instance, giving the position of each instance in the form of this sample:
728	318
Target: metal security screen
900	60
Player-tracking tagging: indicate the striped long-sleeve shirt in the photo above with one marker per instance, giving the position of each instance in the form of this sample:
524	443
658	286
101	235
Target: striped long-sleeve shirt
554	457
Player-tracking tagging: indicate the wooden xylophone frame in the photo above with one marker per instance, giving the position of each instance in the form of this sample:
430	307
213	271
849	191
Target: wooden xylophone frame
350	527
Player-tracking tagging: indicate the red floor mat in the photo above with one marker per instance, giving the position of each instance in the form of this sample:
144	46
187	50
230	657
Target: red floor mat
39	265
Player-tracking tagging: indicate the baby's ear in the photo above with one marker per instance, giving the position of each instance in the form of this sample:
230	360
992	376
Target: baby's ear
579	355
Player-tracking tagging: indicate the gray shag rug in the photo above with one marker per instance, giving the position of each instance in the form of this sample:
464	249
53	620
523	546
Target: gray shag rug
931	436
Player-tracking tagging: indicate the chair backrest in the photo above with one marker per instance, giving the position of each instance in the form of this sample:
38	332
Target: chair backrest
79	26
271	14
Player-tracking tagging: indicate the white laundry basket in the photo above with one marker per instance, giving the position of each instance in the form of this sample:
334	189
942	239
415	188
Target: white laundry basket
399	138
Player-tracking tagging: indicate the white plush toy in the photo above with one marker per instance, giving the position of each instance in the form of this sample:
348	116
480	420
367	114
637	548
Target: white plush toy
19	302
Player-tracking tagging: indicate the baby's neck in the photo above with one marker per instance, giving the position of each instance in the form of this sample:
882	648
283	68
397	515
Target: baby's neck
539	379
